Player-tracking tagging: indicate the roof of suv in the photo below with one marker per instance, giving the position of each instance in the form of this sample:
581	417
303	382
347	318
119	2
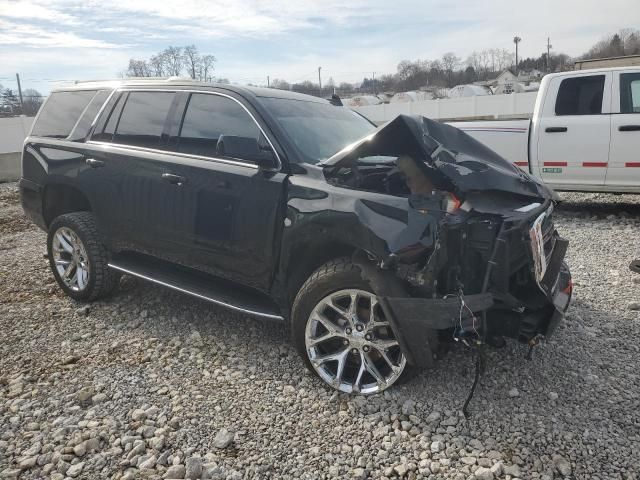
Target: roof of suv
181	82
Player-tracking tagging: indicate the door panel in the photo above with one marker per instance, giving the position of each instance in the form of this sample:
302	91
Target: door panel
227	213
222	219
573	144
128	141
624	156
235	219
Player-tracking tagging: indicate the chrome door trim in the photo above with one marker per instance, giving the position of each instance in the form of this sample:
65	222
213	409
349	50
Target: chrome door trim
129	148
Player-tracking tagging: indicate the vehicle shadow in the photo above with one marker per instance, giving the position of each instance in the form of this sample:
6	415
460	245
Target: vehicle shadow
600	204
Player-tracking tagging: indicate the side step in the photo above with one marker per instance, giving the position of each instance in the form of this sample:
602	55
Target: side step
197	284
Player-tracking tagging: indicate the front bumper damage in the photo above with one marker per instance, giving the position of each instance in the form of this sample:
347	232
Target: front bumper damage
418	321
494	266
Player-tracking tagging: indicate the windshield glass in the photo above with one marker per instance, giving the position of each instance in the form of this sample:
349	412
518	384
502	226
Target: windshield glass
318	130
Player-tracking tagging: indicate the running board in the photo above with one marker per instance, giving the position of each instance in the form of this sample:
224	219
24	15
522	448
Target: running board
198	285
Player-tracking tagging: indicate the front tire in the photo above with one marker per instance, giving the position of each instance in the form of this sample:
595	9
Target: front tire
78	258
340	331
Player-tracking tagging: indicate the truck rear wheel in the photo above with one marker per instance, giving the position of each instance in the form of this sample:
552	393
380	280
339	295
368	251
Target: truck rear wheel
78	259
340	331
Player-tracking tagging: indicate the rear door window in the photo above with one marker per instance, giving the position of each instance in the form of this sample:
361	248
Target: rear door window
580	95
207	117
61	112
630	93
143	118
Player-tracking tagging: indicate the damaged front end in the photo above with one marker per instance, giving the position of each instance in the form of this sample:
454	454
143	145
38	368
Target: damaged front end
475	253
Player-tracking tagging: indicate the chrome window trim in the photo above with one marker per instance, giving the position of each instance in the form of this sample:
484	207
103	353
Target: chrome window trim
104	105
121	146
61	143
201	157
82	115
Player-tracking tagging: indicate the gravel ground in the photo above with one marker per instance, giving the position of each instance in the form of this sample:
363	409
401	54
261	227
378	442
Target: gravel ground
154	384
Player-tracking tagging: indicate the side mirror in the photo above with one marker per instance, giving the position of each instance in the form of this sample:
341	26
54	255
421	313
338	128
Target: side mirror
246	148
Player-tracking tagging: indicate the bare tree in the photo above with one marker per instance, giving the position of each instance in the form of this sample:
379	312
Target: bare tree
138	68
32	100
192	60
280	84
625	42
450	63
475	62
174	60
207	67
345	87
157	63
9	101
171	62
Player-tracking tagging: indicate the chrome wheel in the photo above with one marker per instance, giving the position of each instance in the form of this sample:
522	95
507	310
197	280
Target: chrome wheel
351	344
70	259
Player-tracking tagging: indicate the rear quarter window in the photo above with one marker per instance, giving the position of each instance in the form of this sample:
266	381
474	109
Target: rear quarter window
61	112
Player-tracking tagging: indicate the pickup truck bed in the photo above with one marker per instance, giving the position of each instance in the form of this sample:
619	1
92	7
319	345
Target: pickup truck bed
584	134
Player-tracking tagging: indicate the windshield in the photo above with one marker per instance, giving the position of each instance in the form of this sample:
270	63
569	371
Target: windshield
318	130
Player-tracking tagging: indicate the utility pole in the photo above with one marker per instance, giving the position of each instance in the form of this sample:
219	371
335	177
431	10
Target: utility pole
548	55
20	92
517	40
267	81
320	80
373	80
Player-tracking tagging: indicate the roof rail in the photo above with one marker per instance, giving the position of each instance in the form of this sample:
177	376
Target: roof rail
127	79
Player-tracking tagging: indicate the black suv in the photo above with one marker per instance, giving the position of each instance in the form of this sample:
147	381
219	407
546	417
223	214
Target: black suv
374	244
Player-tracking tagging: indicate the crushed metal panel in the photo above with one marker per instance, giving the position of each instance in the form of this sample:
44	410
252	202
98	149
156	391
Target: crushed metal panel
464	161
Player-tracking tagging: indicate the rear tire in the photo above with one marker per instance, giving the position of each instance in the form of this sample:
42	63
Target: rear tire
339	279
78	258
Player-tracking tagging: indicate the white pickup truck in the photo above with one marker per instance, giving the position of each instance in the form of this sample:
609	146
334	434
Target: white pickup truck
584	134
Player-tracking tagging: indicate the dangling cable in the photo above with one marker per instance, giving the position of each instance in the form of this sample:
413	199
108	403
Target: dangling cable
476	379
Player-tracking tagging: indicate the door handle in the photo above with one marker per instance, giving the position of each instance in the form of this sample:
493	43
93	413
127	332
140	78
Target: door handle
629	128
555	129
93	163
174	179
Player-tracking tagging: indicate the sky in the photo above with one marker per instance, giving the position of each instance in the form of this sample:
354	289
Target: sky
54	41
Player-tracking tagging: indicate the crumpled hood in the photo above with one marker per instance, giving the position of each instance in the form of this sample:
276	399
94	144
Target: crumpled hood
467	163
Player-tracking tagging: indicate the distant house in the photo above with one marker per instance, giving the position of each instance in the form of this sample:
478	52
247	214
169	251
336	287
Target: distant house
506	82
533	75
506	76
